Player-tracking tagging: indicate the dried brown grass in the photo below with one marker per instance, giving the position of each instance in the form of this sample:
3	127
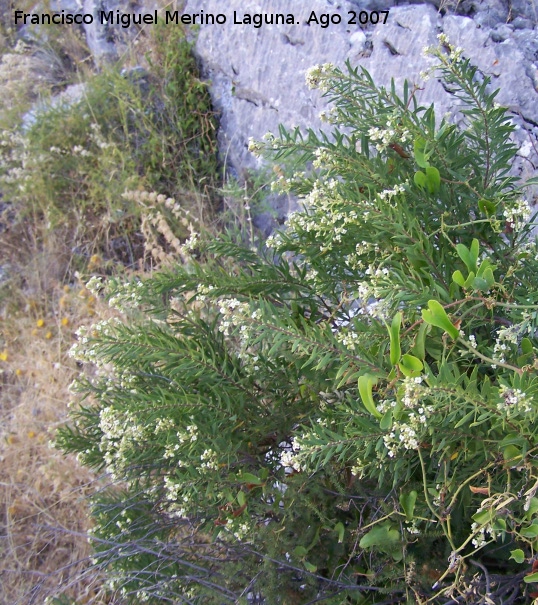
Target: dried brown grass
43	506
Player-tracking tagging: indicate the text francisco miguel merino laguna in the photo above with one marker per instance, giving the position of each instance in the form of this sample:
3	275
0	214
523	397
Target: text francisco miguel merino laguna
128	19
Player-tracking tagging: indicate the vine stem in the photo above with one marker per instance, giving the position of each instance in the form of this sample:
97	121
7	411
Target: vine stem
445	523
489	359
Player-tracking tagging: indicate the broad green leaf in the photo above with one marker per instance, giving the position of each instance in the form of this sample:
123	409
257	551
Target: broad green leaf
457	276
517	555
473	253
533	577
433	179
340	530
469	256
300	552
381	535
386	421
480	284
394	333
469	281
418	349
241	498
366	382
513	439
249	478
410	365
408	504
420	157
483	517
533	508
526	346
489	277
309	567
436	316
512	454
465	255
420	179
531	531
487	207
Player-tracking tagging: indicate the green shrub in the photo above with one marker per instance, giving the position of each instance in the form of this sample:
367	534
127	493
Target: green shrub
130	130
348	416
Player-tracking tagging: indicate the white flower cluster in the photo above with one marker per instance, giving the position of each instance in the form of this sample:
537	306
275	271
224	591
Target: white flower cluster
388	194
482	534
317	76
330	116
126	296
95	285
234	313
323	158
171	451
284	184
378	310
96	135
348	337
258	147
111	422
385	405
81	151
425	75
365	247
164	425
274	241
357	468
356	260
255	147
514	400
326	219
121	436
405	434
414	390
16	161
402	436
241	531
412	528
189	435
505	338
469	340
240	320
235	529
82	349
455	53
391	134
289	456
173	487
517	214
202	292
209	460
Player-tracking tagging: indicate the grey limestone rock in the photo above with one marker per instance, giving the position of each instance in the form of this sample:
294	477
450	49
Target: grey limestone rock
69	6
257	75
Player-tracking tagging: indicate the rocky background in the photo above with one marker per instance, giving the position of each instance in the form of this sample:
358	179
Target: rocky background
257	76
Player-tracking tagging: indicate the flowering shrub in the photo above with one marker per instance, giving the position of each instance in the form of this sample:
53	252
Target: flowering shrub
351	412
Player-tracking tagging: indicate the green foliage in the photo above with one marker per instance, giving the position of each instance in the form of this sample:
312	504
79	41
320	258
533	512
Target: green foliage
131	130
349	411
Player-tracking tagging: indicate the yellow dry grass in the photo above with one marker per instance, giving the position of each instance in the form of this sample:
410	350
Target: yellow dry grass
43	506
